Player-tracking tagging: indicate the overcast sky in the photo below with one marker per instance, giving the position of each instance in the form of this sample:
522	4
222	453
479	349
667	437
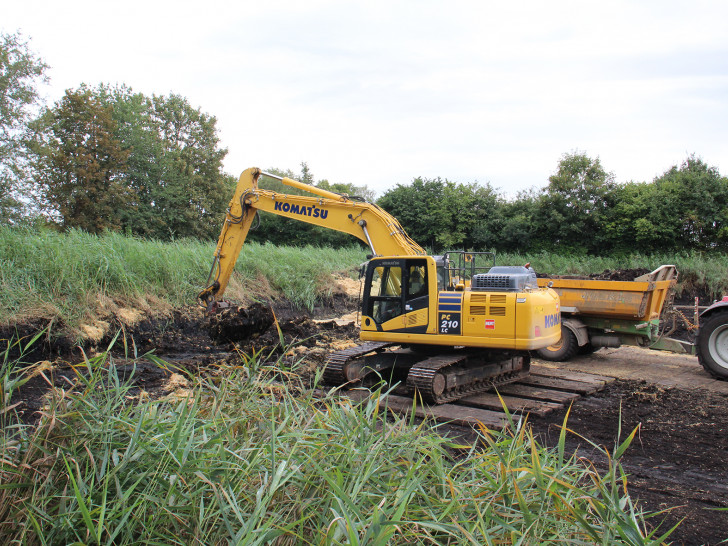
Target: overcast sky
379	93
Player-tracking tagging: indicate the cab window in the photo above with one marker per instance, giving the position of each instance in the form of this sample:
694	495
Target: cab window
385	293
386	281
417	285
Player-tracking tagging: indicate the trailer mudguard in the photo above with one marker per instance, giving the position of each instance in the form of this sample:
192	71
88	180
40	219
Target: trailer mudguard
578	328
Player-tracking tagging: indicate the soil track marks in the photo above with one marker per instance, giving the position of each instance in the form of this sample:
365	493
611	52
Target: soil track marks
677	459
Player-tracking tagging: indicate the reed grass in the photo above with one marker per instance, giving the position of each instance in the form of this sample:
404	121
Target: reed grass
704	271
49	274
65	276
244	460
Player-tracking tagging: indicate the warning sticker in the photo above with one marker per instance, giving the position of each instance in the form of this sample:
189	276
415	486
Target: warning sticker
489	324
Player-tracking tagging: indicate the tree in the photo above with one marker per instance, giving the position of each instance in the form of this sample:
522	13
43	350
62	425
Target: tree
519	230
306	174
81	163
474	214
689	208
191	192
140	139
623	223
414	206
20	73
445	215
159	157
574	202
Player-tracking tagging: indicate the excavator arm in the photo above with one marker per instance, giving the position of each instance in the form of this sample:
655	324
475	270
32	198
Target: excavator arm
455	338
366	221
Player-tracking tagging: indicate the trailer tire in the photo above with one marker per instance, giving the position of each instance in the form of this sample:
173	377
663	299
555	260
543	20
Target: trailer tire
713	345
566	347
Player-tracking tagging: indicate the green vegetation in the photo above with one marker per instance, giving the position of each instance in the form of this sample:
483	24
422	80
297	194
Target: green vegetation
581	211
444	215
111	159
66	275
49	274
244	460
20	74
704	271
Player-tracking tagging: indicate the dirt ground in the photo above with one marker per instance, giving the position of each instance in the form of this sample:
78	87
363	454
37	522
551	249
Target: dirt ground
676	462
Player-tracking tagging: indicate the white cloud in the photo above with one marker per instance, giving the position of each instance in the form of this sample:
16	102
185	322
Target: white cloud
381	92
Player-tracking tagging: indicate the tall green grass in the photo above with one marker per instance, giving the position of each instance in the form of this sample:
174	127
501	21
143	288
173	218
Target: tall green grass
244	461
708	272
46	273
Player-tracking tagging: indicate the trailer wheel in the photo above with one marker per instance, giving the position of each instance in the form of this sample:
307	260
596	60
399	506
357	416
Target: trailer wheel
713	345
564	349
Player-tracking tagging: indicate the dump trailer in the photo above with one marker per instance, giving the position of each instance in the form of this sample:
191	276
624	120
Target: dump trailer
606	313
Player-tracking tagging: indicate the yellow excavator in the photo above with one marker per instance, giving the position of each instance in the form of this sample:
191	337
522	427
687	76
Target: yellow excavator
447	326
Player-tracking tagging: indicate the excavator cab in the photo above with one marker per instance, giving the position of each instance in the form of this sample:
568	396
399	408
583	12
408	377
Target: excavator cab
396	294
458	299
461	326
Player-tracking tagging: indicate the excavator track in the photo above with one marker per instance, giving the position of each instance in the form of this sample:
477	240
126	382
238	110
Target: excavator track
445	378
437	379
340	368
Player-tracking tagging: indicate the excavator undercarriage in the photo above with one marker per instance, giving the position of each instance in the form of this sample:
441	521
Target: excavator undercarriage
443	327
444	377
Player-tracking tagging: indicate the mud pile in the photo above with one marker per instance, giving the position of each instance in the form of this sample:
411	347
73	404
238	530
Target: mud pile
239	323
619	274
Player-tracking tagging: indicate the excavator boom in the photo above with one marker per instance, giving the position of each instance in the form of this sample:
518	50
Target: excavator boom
366	221
457	334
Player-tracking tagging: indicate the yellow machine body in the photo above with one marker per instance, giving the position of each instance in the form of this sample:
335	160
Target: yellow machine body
410	297
408	303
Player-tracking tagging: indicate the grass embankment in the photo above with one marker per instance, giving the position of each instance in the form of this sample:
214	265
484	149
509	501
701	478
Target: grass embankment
75	277
696	270
244	461
70	276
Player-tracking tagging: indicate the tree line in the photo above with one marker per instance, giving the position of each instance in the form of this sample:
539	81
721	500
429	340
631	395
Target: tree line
110	159
106	158
582	210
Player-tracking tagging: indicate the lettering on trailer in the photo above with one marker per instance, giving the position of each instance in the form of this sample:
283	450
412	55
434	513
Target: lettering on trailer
552	320
301	210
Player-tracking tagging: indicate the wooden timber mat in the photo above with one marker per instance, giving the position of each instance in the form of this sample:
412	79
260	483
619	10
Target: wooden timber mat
543	391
